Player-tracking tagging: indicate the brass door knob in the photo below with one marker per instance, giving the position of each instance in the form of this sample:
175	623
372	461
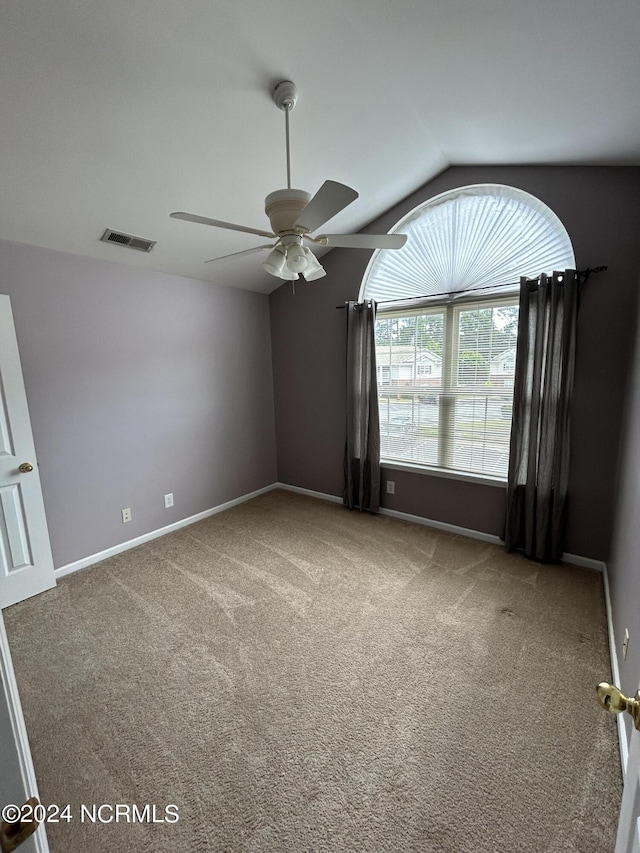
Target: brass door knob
13	834
613	700
25	467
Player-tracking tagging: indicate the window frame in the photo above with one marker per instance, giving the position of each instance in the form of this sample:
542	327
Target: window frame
450	308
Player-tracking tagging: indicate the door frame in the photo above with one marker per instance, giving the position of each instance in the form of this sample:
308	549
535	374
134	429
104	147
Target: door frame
9	693
628	834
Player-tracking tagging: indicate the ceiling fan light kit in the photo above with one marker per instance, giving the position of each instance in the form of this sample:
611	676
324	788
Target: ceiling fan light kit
276	261
296	258
293	214
314	268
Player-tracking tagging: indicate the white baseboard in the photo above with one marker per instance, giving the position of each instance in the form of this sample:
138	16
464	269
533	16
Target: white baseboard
155	534
585	562
300	491
573	559
442	525
402	516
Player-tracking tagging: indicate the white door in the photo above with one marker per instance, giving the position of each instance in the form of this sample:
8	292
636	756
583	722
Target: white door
628	840
17	779
26	564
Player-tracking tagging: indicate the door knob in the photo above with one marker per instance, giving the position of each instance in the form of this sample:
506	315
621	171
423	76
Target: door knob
25	467
13	834
613	700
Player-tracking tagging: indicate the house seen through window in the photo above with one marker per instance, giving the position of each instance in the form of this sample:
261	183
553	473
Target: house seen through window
446	333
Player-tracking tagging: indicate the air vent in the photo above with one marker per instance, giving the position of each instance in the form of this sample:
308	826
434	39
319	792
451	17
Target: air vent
128	240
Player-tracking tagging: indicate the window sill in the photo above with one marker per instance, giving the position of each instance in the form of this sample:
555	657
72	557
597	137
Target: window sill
482	479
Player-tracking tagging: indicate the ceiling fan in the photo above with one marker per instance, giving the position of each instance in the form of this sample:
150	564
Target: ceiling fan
293	214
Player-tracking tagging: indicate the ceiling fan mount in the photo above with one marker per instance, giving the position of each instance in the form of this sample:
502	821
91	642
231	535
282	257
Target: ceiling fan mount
285	95
293	214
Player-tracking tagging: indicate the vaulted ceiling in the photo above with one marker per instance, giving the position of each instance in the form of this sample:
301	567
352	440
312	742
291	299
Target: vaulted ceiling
115	114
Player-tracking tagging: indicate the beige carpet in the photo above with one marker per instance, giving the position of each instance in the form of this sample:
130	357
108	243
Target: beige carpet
298	677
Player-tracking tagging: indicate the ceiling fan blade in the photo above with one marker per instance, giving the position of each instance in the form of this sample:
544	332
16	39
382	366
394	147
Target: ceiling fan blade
363	241
244	252
330	199
218	223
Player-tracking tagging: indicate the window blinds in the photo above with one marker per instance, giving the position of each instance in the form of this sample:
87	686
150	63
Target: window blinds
486	234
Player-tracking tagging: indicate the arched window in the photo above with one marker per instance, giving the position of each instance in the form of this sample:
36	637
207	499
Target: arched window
447	323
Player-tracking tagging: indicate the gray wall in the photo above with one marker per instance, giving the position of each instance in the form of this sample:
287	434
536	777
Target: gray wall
624	566
138	384
600	207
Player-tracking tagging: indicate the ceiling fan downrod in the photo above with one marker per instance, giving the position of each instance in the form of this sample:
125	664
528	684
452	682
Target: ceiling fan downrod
285	96
295	214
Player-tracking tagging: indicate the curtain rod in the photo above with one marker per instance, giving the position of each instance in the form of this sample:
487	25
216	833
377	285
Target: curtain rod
585	273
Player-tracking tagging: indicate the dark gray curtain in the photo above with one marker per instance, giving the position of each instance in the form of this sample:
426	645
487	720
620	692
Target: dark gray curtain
362	451
539	452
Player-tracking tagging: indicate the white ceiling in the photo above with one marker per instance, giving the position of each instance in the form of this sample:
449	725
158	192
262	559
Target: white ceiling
113	114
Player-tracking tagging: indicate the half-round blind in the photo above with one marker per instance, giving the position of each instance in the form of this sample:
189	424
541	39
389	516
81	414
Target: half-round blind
469	238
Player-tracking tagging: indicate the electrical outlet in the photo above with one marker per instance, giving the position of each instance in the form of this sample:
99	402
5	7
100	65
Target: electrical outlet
391	487
168	500
625	644
126	515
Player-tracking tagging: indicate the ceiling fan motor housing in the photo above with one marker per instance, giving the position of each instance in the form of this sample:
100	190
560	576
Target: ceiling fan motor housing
283	207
